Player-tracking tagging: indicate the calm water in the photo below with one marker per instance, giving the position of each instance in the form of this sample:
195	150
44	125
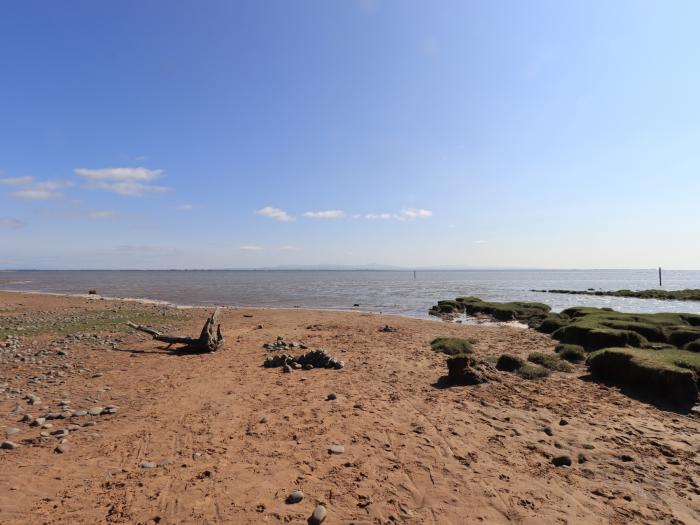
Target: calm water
386	291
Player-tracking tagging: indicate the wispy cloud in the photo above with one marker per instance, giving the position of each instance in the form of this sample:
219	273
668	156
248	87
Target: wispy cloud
405	215
9	222
17	181
184	207
325	214
274	213
250	248
290	248
132	182
40	190
413	213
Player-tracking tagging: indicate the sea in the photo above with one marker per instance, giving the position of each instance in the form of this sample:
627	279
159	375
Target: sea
400	292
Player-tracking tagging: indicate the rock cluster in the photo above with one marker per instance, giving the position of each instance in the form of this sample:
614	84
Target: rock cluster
307	361
281	344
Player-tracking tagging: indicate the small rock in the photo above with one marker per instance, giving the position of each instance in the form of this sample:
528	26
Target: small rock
95	411
626	458
63	448
561	461
11	431
563	422
79	413
336	449
582	458
332	396
548	430
8	445
295	497
37	422
286	369
318	516
149	464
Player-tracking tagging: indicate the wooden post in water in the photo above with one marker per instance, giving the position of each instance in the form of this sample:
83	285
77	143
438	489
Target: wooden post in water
660	276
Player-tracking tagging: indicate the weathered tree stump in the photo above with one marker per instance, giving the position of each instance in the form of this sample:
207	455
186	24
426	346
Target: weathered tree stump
210	340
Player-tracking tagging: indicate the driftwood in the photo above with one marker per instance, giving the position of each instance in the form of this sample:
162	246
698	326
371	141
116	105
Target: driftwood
210	340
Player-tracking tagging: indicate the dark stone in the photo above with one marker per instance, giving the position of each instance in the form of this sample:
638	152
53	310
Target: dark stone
561	461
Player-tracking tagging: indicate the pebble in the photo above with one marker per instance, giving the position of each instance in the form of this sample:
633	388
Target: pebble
37	422
582	458
626	458
79	413
336	449
63	448
286	369
95	411
548	430
8	445
11	431
295	497
318	516
332	396
149	464
561	461
563	422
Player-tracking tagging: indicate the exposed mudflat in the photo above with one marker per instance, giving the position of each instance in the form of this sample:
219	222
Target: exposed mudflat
217	438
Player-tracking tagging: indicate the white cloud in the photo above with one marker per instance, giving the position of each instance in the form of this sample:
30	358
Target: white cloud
42	190
325	214
251	248
119	174
17	181
8	222
102	214
412	213
130	188
184	207
132	182
274	213
290	248
406	214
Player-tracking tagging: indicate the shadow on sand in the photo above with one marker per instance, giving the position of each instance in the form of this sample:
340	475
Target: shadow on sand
163	350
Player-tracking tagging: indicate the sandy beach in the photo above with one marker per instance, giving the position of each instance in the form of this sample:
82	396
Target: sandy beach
217	438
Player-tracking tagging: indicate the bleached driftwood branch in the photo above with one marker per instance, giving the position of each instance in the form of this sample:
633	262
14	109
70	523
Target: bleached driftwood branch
210	340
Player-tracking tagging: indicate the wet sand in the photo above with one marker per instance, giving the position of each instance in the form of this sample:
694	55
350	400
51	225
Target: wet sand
231	439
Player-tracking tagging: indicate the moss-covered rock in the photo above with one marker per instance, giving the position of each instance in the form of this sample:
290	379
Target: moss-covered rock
452	345
549	361
693	346
531	313
552	323
509	363
532	372
652	372
683	336
679	295
571	353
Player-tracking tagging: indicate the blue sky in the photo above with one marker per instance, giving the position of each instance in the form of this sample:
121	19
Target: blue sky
222	134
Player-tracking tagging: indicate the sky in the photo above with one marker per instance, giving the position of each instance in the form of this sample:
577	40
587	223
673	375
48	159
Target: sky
242	134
